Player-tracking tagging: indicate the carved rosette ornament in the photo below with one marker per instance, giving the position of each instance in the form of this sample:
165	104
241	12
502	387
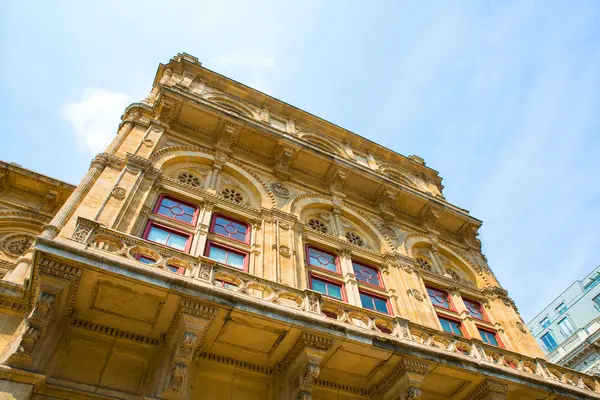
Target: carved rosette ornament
280	189
119	193
16	245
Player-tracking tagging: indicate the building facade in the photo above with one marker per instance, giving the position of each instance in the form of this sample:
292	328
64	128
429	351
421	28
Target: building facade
227	245
568	328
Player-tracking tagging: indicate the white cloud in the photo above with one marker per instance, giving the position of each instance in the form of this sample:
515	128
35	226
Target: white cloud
95	117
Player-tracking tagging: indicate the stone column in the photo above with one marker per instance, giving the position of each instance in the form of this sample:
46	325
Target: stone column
23	266
67	210
124	131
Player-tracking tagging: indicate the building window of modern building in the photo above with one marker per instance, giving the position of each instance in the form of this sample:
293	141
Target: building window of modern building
549	341
566	326
545	322
597	300
561	308
489	337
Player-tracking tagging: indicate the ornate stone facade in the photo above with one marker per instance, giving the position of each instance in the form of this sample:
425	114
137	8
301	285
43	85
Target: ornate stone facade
229	246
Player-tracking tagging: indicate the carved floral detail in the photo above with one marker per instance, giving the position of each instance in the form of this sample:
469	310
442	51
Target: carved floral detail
285	251
189	179
280	189
16	245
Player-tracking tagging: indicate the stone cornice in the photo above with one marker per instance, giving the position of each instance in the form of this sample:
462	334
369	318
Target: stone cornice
427	352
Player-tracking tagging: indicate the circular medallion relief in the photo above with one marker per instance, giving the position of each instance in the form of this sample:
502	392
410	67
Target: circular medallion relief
17	244
119	192
280	189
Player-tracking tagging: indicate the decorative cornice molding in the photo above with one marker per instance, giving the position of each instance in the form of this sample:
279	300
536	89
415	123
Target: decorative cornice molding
114	332
487	387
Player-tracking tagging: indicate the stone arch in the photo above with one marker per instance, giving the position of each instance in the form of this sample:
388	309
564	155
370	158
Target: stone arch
323	143
415	241
170	158
314	201
231	104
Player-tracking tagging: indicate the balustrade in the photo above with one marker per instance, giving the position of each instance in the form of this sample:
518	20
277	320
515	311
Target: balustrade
211	272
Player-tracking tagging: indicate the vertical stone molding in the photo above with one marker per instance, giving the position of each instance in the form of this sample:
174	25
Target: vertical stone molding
402	383
489	390
301	366
67	210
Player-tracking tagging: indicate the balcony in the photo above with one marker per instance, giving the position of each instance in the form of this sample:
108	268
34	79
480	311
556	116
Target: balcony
227	281
580	336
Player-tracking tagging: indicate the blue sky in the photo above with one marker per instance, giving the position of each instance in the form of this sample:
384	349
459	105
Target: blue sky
503	98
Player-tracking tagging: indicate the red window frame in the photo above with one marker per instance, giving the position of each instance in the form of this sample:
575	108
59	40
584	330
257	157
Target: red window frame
176	269
225	284
367	266
213	223
500	344
149	226
448	299
458	321
387	302
483	313
210	244
328	281
166	196
335	257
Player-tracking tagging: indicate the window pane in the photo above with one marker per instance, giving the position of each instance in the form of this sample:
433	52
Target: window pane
381	305
597	300
189	218
438	298
167	202
158	235
319	286
566	326
334	291
177	241
146	260
367	301
549	341
366	274
474	309
545	322
217	254
451	326
188	209
235	260
321	259
489	337
218	229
